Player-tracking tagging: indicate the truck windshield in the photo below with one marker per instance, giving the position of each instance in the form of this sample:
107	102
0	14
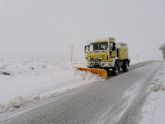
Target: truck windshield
99	46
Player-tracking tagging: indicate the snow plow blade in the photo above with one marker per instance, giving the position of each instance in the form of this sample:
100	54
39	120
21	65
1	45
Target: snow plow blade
101	72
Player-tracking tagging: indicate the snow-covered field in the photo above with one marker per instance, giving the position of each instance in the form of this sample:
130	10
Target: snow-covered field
153	111
26	81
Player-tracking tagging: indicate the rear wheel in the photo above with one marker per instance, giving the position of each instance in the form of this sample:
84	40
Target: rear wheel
116	69
125	67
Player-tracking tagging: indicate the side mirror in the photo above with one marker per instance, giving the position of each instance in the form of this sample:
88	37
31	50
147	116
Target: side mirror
85	48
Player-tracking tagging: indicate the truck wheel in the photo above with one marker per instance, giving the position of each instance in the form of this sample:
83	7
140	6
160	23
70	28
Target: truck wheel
116	69
125	67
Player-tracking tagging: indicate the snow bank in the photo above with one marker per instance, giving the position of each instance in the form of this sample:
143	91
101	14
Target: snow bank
153	110
17	102
23	82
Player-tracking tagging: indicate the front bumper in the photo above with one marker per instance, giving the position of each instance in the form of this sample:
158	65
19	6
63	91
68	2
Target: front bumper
101	64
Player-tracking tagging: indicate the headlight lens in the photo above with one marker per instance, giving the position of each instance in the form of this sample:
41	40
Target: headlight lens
88	58
106	64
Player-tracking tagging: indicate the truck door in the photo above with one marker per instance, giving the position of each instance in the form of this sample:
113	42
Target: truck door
112	50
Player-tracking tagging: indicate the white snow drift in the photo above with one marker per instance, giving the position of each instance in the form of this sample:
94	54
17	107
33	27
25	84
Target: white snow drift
23	82
153	111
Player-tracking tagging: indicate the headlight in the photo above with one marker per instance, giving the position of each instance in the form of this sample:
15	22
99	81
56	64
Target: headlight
88	58
106	64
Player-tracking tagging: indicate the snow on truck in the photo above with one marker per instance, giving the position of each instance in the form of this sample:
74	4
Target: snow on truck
104	56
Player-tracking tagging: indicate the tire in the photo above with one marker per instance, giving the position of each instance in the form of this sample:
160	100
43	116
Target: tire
125	67
116	69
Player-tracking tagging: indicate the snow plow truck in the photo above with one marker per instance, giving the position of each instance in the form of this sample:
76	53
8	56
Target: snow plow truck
104	56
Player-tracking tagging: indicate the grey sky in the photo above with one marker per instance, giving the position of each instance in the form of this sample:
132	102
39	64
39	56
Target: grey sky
49	27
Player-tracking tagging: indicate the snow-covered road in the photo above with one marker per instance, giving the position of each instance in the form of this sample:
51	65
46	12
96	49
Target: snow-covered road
31	81
115	100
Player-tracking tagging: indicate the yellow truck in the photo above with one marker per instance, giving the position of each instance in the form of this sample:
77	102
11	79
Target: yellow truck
105	55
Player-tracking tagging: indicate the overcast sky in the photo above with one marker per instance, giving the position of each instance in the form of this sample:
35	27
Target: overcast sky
49	27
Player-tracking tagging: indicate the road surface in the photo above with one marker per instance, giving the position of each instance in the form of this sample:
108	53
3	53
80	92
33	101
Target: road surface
106	102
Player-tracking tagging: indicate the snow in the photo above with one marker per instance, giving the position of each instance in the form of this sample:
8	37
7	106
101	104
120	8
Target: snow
130	95
23	81
153	111
133	61
129	99
26	81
